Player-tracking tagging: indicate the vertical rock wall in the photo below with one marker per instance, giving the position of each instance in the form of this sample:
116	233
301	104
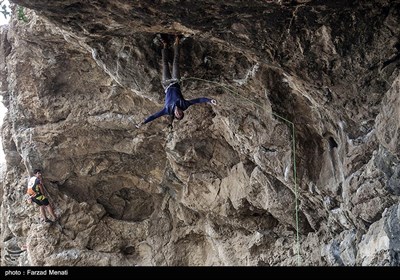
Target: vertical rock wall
297	163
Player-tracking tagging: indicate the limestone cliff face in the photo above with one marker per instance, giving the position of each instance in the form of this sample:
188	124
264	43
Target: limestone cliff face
297	164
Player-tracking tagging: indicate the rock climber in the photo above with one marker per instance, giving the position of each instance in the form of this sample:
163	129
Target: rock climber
175	103
36	192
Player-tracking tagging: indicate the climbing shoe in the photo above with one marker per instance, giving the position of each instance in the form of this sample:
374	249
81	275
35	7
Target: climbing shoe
161	41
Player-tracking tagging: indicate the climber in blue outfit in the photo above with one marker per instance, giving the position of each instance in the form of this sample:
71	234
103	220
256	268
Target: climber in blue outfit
175	103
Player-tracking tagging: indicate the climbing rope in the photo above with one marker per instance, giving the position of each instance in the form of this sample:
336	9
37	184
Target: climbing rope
291	124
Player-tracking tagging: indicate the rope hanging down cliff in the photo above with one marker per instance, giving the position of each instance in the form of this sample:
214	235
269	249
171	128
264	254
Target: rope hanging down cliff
291	124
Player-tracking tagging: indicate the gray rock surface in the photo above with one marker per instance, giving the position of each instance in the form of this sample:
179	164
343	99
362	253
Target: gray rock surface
297	164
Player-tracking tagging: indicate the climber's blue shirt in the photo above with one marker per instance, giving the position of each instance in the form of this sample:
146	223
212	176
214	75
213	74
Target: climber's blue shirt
174	97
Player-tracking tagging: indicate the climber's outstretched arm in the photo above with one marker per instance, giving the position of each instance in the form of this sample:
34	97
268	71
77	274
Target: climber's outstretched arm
153	117
202	100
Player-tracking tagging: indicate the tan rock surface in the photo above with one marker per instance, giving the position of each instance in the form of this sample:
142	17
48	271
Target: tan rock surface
314	79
